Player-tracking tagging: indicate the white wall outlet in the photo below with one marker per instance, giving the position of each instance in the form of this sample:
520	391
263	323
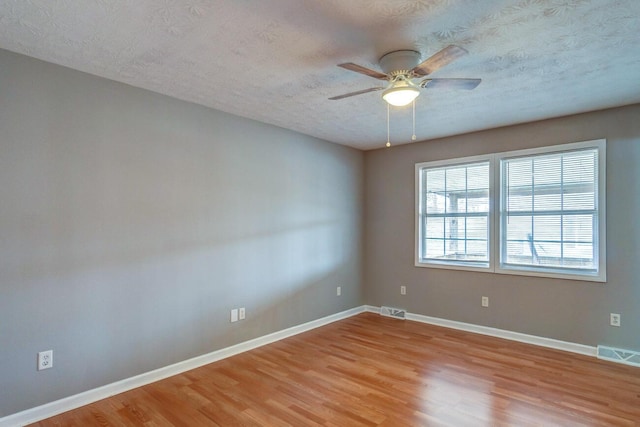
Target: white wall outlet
614	319
234	315
45	360
339	290
403	290
485	301
241	313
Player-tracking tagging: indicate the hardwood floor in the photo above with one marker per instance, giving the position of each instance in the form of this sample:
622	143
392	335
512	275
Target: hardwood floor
370	370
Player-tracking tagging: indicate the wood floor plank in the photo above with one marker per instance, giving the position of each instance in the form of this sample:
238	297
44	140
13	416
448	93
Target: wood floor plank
370	370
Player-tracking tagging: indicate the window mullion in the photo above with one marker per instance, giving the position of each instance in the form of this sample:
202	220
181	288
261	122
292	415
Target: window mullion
534	258
562	210
444	225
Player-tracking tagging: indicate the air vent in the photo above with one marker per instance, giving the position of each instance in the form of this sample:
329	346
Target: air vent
397	313
627	357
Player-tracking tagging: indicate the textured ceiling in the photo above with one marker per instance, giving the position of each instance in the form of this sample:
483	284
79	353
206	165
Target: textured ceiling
275	60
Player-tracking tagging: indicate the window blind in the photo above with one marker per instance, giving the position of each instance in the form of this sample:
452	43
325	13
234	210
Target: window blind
549	211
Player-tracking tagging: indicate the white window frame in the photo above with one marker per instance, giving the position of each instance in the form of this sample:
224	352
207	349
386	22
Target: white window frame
456	265
495	197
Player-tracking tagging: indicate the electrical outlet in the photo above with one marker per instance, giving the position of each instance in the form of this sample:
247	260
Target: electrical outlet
45	360
403	290
234	315
485	301
241	313
614	319
339	290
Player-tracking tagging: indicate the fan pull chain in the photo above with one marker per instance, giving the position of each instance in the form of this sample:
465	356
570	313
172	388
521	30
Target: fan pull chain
388	143
413	137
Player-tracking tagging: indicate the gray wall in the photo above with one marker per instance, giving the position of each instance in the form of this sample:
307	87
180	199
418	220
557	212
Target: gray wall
131	223
568	310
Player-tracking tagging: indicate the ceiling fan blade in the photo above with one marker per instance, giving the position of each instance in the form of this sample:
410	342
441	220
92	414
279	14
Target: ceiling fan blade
438	60
364	70
360	92
466	84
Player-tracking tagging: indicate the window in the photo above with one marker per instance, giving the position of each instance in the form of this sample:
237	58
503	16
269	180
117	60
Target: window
546	218
454	214
549	215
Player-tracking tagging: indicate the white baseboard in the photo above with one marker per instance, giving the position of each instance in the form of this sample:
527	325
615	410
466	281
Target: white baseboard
371	308
72	402
499	333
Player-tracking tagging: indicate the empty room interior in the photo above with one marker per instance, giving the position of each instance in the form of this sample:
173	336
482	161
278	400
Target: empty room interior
338	213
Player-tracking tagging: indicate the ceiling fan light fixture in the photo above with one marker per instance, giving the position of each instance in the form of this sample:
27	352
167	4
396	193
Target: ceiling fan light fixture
400	94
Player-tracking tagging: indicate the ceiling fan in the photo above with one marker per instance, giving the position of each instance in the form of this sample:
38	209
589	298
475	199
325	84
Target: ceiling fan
401	67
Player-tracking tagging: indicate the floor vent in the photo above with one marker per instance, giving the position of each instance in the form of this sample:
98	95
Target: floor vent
627	357
398	313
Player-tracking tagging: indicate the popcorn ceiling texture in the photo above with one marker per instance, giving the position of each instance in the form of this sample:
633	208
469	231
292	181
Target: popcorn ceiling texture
275	60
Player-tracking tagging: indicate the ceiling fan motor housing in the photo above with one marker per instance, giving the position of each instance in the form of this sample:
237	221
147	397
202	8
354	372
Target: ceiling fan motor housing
399	61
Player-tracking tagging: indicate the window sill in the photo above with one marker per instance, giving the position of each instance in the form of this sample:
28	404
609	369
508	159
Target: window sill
514	271
448	266
550	273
